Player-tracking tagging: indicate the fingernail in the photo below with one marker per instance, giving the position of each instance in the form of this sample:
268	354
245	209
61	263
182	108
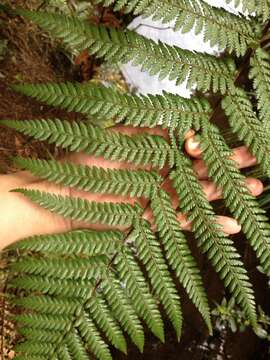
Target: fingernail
193	143
255	186
229	226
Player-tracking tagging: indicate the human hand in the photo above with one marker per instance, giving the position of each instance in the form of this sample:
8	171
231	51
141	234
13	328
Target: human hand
21	218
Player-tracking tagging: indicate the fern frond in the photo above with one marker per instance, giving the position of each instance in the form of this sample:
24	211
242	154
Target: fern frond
78	242
31	348
33	357
93	339
40	335
114	293
201	70
99	311
167	110
63	353
108	213
93	179
260	74
53	286
263	9
150	254
248	128
73	268
211	239
237	197
178	253
217	25
259	8
75	345
48	304
138	149
133	280
44	321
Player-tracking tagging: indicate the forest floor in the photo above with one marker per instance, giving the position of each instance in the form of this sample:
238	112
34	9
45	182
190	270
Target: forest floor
30	56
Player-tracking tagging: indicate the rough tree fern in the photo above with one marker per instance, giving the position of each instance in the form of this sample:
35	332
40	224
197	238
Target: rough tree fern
86	289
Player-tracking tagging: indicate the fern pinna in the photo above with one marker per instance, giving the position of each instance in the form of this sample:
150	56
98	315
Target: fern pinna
85	289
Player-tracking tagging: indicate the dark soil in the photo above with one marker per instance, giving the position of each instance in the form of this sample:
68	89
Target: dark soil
32	57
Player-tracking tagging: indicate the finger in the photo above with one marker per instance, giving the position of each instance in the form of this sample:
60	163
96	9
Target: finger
192	146
242	157
18	179
228	225
213	192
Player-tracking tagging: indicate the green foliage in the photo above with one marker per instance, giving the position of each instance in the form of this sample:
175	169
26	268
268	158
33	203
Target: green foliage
237	197
249	129
218	26
107	213
167	110
84	290
211	239
260	74
93	179
204	71
138	149
178	254
151	256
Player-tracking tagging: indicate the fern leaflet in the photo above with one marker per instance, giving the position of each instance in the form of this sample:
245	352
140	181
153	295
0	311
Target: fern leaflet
178	254
211	239
248	128
218	26
237	197
200	70
93	179
138	149
167	110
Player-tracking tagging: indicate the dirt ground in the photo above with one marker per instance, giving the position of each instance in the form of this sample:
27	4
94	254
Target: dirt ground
32	57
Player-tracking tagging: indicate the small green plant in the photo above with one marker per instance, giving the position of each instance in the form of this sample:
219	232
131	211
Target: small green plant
85	289
228	314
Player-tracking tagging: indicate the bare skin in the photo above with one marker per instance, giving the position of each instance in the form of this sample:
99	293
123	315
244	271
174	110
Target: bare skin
21	218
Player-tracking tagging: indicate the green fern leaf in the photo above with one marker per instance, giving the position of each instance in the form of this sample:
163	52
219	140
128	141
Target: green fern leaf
53	286
113	214
92	337
63	353
201	70
33	357
150	253
260	74
48	305
246	5
75	345
79	242
40	335
237	197
178	253
248	128
137	289
46	322
139	149
211	239
31	348
167	110
115	296
73	268
259	7
99	311
218	26
93	179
